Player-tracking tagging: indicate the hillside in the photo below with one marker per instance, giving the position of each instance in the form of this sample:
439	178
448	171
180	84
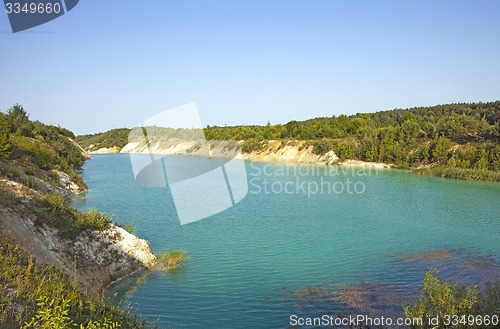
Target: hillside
55	260
113	138
453	140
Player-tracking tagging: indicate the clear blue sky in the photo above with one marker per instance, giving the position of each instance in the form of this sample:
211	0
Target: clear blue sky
113	63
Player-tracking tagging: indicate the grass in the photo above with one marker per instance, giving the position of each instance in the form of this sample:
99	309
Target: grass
68	221
171	260
461	173
40	296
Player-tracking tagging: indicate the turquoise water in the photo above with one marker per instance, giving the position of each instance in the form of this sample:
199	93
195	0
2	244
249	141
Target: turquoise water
247	262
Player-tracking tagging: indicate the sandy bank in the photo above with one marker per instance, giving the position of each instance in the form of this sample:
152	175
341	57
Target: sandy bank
358	163
271	151
106	150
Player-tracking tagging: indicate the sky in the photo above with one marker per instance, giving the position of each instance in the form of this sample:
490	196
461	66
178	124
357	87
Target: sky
114	63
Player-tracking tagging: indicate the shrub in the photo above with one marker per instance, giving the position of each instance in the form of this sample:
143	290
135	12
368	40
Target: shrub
171	260
50	315
95	220
44	297
323	146
71	222
251	145
440	299
5	146
130	227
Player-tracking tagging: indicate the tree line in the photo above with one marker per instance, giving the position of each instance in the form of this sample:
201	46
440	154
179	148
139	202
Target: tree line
33	142
454	140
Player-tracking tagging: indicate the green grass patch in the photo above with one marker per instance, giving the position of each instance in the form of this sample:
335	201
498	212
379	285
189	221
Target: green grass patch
71	222
171	260
461	173
40	296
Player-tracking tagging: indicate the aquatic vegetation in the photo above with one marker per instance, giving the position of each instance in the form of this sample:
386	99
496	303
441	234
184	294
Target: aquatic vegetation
372	298
460	265
440	255
310	293
171	260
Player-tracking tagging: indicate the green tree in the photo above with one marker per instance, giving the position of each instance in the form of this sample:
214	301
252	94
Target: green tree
495	158
17	117
482	160
5	144
347	151
369	150
440	299
439	149
271	132
356	126
410	130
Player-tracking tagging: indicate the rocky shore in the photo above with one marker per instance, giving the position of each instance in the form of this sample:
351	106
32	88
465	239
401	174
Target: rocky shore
94	259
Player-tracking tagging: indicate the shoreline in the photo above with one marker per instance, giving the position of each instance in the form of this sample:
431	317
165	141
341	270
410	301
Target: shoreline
249	157
116	281
297	154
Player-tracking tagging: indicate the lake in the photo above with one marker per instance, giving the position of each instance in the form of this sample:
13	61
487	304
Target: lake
306	240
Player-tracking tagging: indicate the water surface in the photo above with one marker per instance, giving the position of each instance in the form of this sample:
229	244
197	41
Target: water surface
277	254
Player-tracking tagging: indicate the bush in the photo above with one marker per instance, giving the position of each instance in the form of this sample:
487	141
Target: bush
463	173
440	299
71	222
323	146
251	145
130	227
5	146
347	150
172	260
95	220
44	297
50	314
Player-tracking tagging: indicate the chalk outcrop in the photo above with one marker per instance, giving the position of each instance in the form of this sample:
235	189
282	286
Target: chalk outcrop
293	151
83	152
96	258
358	163
106	150
271	151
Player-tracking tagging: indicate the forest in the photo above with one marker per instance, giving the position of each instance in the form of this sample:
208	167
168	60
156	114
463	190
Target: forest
453	140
